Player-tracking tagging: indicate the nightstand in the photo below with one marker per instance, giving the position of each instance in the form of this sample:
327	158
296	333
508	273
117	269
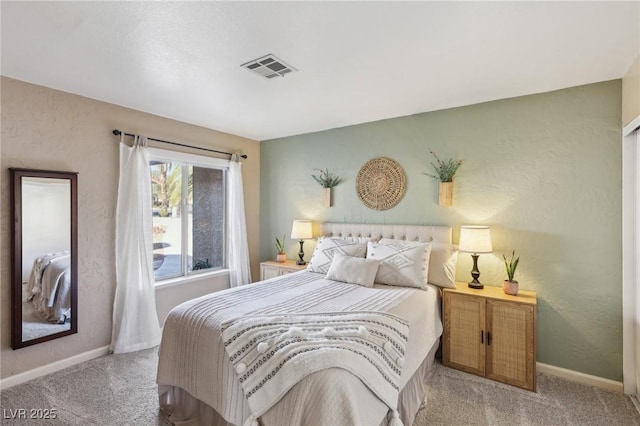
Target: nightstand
491	334
272	269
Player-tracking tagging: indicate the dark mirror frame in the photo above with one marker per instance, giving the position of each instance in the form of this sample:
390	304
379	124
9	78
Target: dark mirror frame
16	249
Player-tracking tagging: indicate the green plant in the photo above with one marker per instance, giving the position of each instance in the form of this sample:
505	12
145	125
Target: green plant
511	264
445	170
280	244
327	179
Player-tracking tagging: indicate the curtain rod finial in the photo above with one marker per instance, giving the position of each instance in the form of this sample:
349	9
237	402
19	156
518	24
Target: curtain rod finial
116	132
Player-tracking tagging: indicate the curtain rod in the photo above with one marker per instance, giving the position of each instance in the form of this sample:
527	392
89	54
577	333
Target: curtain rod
118	133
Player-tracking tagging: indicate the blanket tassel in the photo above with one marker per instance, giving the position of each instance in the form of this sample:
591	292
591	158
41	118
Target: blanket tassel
395	419
253	421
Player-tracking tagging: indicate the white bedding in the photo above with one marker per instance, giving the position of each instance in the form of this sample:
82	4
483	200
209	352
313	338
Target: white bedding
193	360
49	286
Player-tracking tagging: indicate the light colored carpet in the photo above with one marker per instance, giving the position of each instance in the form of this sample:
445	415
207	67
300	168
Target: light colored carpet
110	390
34	325
121	390
457	398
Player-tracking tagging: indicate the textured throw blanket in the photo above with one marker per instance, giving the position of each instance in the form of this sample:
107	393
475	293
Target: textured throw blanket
271	353
193	358
34	285
49	286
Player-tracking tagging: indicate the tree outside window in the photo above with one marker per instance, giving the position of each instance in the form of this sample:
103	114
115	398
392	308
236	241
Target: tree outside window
188	218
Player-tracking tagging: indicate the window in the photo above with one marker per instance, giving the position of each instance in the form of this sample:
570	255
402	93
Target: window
189	213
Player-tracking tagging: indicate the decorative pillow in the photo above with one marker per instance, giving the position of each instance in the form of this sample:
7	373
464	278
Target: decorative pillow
402	263
354	270
327	247
442	265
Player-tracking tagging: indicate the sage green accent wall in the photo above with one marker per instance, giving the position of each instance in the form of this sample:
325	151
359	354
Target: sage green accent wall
544	171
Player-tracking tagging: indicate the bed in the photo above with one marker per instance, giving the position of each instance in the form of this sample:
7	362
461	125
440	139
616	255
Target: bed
199	379
49	286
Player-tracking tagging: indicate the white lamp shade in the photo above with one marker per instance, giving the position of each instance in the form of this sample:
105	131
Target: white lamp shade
301	230
475	239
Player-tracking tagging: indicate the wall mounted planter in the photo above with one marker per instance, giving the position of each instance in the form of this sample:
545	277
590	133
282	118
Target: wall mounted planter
326	197
445	194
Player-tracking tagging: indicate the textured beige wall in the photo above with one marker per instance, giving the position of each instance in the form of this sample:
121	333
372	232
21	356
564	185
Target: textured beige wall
631	93
48	129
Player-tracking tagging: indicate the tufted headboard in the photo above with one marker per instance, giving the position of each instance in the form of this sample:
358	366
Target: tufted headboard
439	234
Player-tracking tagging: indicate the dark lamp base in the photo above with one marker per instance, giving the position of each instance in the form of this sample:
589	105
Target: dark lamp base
475	274
301	261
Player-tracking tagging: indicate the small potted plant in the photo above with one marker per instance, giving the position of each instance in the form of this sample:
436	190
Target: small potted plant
445	171
327	180
281	256
510	286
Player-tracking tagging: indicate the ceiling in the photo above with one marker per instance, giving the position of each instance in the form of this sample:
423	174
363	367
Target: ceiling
357	61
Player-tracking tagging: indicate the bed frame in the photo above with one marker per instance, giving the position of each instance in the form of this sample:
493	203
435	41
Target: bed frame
410	397
428	234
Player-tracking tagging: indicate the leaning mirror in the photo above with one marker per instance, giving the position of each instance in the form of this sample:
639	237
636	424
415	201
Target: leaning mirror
45	259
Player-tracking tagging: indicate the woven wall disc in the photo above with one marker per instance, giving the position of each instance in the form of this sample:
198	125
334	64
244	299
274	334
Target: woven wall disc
381	183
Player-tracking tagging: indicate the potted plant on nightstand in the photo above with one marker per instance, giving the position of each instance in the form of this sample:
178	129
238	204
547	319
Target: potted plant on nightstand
510	286
445	170
327	180
281	256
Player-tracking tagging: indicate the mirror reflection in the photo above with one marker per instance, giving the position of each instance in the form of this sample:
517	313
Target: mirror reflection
46	256
44	265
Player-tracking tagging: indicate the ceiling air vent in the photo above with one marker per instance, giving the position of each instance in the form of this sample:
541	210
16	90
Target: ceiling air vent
269	67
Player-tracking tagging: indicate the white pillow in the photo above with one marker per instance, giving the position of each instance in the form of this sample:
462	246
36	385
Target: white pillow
403	263
354	270
442	265
327	247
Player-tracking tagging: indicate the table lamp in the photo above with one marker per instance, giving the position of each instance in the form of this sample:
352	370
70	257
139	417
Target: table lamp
301	230
475	240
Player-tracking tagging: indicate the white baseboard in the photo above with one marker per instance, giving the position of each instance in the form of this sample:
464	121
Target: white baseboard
576	376
52	368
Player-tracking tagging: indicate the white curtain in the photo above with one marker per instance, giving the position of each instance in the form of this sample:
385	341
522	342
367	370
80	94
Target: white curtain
239	270
135	321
